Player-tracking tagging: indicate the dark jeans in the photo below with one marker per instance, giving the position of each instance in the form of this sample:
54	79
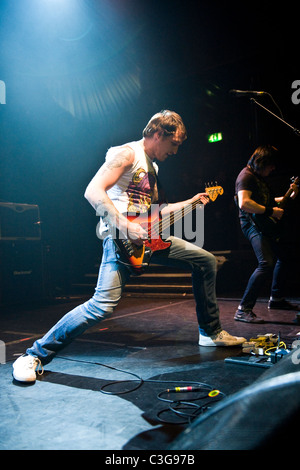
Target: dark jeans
272	263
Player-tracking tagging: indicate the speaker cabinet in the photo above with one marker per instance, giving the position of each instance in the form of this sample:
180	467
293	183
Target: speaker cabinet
21	256
21	271
19	221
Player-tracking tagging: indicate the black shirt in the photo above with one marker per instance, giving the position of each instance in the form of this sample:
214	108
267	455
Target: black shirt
250	181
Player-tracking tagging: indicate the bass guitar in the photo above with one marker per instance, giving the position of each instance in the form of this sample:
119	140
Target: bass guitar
138	256
268	225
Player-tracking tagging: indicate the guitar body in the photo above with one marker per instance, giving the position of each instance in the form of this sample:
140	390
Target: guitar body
139	256
269	226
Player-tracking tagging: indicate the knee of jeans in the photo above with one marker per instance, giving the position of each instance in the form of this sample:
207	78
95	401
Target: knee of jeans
210	263
267	265
100	308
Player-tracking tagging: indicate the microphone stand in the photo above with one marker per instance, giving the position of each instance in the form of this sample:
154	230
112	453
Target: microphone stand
296	131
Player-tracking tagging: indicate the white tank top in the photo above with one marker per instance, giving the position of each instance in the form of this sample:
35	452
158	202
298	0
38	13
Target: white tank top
137	189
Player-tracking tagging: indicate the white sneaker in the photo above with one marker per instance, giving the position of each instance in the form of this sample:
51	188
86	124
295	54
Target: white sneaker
221	339
24	368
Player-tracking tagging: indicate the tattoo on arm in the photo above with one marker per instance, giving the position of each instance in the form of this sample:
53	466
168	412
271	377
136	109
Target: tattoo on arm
120	159
104	209
110	215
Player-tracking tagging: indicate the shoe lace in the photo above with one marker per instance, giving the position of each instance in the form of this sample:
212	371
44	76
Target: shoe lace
223	334
251	314
36	363
40	368
248	312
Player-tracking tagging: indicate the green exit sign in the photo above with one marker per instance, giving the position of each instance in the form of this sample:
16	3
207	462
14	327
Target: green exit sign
216	137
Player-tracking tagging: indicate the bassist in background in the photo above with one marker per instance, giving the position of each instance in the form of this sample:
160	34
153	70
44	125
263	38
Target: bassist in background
260	214
128	181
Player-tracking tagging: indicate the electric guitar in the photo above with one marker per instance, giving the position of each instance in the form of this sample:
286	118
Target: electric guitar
268	225
138	256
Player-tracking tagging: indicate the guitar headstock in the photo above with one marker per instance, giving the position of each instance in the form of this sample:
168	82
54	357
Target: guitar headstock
214	191
295	180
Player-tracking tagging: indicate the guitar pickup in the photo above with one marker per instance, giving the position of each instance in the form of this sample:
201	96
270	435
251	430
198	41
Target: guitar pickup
128	247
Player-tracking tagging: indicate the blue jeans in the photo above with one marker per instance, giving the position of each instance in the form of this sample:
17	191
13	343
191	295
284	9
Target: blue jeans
271	264
111	280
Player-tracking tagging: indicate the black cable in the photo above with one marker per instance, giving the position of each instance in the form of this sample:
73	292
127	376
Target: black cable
141	381
196	390
178	413
193	387
176	403
185	405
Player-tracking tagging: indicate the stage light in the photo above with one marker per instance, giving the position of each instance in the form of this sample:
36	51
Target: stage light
78	54
55	3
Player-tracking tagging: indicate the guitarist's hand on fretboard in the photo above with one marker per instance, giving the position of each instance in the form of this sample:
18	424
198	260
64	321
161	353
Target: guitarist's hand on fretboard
295	190
267	223
203	198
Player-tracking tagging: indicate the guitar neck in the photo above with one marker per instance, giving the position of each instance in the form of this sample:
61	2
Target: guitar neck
287	195
175	216
285	199
167	222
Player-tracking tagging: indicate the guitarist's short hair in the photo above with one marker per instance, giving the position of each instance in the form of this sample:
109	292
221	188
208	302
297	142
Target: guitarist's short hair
167	122
262	157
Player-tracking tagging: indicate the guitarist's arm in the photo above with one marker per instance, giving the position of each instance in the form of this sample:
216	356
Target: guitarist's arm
96	193
249	205
173	207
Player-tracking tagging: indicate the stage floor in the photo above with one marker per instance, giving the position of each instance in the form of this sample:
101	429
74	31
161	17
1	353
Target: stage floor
87	400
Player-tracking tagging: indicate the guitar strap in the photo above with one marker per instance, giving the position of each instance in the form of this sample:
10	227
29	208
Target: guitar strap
162	198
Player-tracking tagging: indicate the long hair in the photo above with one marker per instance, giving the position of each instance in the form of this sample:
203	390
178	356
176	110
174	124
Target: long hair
262	157
167	122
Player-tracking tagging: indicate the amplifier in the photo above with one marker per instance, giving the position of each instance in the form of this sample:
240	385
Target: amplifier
21	271
19	221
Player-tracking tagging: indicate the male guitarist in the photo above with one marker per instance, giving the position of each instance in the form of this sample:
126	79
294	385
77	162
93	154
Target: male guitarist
127	182
260	214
